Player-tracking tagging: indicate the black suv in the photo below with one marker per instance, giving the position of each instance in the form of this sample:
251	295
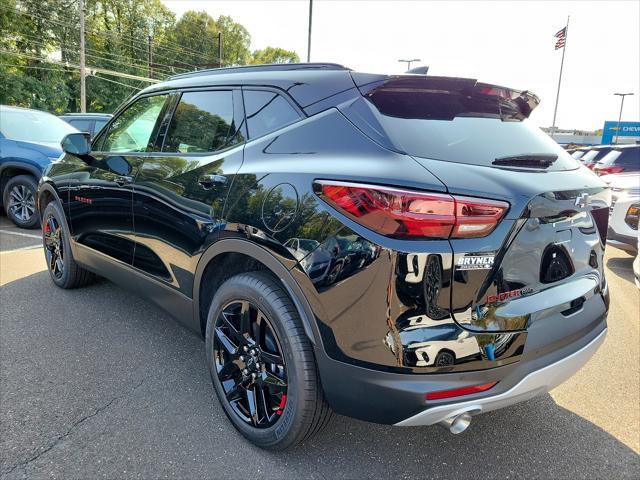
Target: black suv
459	263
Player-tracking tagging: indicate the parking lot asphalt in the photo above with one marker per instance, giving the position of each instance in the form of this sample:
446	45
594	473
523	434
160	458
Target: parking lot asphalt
98	383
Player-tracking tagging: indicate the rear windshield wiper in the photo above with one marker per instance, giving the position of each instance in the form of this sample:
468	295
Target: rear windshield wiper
529	160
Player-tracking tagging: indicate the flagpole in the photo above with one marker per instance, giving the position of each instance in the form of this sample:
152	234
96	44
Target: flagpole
564	48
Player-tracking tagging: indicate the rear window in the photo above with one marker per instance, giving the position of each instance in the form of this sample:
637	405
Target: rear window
474	138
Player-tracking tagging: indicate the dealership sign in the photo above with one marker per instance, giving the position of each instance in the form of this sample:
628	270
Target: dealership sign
627	129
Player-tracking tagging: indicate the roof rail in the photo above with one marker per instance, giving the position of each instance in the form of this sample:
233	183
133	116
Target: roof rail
267	67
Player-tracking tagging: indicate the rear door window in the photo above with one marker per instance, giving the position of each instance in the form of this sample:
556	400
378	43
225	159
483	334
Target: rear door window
202	122
266	112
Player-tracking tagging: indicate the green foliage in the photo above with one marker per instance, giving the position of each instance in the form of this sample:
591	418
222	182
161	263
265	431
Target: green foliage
42	41
275	55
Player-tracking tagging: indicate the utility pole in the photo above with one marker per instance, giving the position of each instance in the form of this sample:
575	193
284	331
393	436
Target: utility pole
409	62
620	116
220	49
150	57
83	90
309	37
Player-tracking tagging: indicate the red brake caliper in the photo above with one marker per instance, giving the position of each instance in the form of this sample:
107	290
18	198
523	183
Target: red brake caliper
47	228
281	406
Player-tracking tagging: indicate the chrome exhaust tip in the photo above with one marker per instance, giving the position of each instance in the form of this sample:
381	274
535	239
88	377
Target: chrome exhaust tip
457	423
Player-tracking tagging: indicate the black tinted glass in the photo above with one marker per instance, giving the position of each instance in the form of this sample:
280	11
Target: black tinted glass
202	122
475	139
266	112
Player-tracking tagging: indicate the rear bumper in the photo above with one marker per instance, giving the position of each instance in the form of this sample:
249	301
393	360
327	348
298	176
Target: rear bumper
627	243
396	398
535	383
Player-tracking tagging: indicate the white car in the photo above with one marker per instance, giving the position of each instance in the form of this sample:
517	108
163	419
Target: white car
625	211
636	266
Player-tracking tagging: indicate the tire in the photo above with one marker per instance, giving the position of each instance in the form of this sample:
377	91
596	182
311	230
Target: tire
63	269
445	359
19	200
305	412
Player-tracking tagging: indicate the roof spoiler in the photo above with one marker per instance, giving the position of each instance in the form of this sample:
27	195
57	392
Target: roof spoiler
371	84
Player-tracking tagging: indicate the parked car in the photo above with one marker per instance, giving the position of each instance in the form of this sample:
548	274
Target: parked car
625	210
594	155
206	177
315	261
29	142
623	158
91	123
636	266
578	153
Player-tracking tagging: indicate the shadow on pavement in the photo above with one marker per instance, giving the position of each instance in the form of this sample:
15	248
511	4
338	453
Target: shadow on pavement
97	382
622	266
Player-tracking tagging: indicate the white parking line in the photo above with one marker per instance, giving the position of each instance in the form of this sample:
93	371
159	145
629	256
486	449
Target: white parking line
30	247
20	234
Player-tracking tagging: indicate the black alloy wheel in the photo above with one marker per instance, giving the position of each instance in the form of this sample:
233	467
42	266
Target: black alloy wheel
249	364
63	269
262	363
54	246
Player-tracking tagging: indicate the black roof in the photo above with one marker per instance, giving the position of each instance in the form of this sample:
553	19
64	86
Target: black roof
267	67
307	83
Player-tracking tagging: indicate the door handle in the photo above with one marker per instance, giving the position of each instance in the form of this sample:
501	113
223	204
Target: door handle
209	181
123	180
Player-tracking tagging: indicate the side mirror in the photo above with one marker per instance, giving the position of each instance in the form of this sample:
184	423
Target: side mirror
77	144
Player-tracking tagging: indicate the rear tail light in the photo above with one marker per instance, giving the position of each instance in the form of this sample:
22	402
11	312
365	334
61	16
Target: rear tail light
458	392
608	170
409	214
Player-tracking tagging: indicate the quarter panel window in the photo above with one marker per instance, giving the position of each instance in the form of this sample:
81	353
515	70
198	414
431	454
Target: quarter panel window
266	112
132	130
202	122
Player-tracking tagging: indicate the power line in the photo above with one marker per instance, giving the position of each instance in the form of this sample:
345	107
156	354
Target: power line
92	70
129	63
175	47
117	83
165	69
59	69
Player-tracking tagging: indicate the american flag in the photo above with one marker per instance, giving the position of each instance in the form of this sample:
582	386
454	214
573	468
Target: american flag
561	38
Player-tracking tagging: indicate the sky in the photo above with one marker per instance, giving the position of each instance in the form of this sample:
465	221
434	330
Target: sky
509	43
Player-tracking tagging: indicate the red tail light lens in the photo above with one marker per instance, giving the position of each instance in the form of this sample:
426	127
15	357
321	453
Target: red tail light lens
407	214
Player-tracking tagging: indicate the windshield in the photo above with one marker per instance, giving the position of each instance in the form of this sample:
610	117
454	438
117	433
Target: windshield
308	245
32	126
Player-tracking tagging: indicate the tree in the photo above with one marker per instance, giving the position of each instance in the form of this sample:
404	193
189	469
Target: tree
39	49
274	55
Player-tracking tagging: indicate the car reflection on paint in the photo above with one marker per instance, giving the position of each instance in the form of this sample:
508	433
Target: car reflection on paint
419	341
349	255
315	260
447	344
